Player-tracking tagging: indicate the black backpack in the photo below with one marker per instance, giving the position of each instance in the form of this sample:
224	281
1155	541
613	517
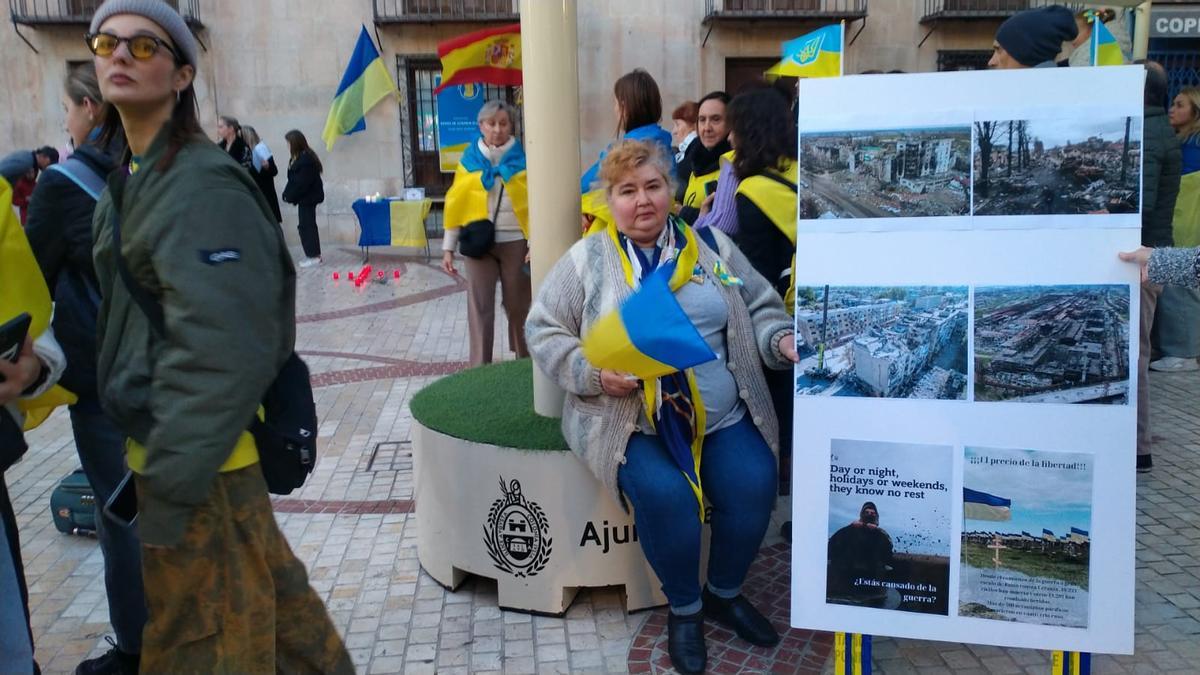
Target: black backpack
287	435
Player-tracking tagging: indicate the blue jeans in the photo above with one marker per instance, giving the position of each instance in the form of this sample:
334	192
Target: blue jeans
16	648
737	472
101	447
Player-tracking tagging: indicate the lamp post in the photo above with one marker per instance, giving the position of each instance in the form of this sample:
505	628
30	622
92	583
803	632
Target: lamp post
549	46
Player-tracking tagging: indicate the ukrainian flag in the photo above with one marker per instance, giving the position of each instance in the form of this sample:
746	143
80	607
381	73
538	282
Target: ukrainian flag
23	289
649	335
365	83
818	54
1105	50
982	506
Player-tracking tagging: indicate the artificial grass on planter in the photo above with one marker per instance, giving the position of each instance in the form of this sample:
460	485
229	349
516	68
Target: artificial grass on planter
492	404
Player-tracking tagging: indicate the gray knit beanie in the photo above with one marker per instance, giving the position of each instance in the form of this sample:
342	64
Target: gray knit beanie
160	13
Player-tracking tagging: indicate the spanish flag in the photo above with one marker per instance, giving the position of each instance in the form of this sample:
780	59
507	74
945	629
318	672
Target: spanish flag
1105	50
365	83
818	54
23	289
649	335
492	56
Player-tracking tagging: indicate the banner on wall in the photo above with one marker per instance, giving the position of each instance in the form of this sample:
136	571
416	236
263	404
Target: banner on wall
457	106
965	407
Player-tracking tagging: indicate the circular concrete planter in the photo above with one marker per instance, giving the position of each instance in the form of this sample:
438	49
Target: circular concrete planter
535	520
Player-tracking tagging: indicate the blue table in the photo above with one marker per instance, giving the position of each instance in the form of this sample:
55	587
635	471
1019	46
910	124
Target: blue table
392	222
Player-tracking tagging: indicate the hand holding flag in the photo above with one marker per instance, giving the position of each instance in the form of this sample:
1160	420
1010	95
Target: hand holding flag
649	335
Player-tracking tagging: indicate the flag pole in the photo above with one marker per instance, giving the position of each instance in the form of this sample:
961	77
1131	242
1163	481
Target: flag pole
549	52
842	57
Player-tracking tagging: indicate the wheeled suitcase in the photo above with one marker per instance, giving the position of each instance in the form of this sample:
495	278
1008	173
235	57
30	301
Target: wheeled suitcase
73	505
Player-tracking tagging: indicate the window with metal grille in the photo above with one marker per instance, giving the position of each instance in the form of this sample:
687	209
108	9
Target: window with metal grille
420	75
963	59
1181	58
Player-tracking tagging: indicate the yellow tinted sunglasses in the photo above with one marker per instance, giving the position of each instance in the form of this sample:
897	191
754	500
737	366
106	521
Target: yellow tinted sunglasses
141	47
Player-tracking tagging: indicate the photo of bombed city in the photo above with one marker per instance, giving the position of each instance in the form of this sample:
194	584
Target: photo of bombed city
888	173
1052	344
891	342
1057	167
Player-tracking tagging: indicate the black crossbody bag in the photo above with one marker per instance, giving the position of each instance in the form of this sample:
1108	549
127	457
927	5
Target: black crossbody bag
478	237
286	437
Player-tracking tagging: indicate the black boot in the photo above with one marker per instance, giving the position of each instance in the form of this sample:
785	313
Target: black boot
685	642
740	616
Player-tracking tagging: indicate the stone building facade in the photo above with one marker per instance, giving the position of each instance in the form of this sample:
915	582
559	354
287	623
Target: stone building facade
275	64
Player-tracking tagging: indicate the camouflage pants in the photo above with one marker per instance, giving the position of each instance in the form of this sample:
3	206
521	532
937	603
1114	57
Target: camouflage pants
231	597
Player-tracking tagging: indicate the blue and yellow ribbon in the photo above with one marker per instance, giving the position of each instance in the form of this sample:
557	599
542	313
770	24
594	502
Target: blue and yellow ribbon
851	654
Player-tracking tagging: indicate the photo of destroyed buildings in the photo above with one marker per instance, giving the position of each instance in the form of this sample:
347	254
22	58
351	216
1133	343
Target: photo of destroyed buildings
888	173
1052	344
1057	167
891	342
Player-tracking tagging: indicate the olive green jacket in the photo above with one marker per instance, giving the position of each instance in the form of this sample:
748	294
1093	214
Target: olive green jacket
200	238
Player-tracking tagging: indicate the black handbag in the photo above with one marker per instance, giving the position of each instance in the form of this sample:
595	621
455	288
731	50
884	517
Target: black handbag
286	437
478	237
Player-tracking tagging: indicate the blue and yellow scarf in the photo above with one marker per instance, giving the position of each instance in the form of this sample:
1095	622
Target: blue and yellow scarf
672	403
467	198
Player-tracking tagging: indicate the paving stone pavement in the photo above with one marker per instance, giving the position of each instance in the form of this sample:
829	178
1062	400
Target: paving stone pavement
370	350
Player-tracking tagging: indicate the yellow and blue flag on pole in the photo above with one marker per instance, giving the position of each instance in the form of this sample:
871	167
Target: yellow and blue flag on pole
649	335
818	54
983	506
365	83
1105	50
23	289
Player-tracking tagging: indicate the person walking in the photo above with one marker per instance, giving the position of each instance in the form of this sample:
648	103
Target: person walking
229	139
1177	319
264	170
198	317
718	414
60	234
489	191
305	189
1162	165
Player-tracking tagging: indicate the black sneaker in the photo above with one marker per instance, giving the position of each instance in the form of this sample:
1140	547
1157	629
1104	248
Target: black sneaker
112	662
1145	463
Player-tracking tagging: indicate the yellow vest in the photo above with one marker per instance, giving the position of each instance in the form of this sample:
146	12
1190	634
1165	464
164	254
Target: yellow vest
697	187
245	453
778	202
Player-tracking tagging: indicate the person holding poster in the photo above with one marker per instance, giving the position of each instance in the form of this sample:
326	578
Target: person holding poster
666	444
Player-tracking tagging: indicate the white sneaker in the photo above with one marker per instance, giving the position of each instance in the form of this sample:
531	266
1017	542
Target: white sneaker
1174	364
310	262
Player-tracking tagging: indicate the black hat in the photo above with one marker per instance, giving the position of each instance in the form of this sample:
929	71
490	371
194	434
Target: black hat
1036	35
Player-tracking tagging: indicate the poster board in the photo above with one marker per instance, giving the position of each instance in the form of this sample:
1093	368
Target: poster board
970	385
457	110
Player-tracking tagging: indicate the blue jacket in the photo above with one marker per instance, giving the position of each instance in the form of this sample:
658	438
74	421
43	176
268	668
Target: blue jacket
650	132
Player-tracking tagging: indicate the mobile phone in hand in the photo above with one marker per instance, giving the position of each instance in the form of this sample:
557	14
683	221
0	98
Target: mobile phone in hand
12	337
122	505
